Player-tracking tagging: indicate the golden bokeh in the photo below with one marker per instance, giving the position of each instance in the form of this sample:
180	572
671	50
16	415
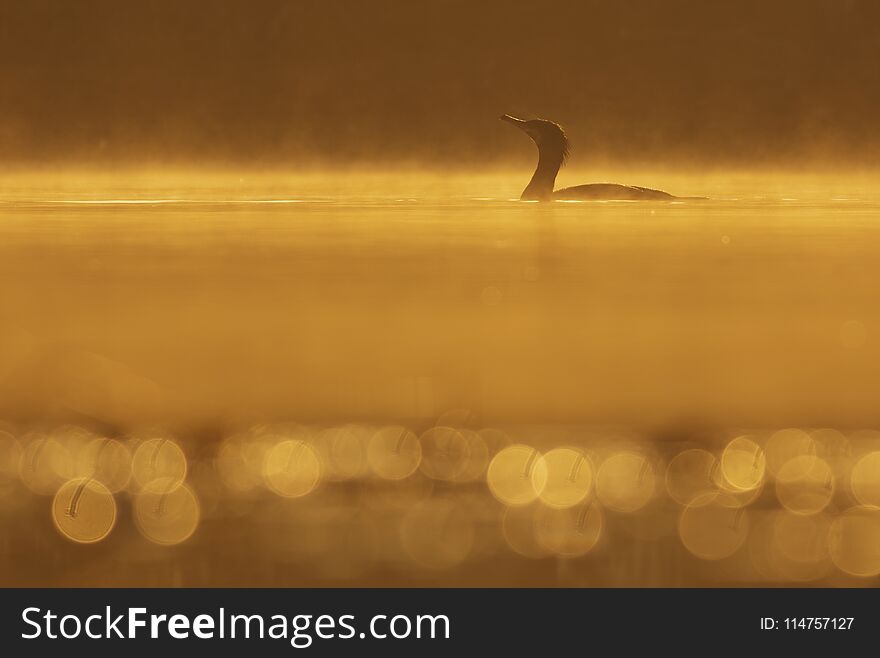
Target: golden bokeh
712	531
864	479
834	447
107	461
45	464
785	445
517	475
625	482
743	464
805	484
569	477
477	458
518	527
84	511
239	462
569	532
445	453
158	459
802	538
854	541
787	547
397	515
394	453
689	476
166	512
292	468
343	451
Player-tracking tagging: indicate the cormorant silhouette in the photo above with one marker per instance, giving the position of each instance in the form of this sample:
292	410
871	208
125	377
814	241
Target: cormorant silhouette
552	152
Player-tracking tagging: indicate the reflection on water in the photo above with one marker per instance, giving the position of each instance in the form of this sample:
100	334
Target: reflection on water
365	314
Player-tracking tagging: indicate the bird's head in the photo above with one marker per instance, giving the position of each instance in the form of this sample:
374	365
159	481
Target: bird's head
546	134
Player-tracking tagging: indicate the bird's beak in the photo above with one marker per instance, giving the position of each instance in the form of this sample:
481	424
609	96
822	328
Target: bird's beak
519	123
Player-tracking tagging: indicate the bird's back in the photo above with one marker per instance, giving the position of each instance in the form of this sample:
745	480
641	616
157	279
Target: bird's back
611	192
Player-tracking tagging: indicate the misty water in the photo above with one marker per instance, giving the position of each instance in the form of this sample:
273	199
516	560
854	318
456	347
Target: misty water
647	335
401	296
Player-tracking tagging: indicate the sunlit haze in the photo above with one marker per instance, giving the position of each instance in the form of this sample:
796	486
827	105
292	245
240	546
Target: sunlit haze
273	312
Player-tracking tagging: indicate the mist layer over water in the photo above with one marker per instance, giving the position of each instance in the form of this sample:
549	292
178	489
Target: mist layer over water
401	295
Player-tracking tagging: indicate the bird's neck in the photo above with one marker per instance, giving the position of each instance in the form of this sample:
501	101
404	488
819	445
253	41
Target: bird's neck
540	188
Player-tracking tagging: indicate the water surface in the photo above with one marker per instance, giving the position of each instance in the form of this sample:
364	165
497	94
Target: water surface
752	307
202	313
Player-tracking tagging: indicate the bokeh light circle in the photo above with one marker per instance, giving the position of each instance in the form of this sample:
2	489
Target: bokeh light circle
45	464
106	460
743	464
689	476
805	484
517	475
477	458
158	459
518	528
166	512
445	453
343	452
625	482
569	477
802	538
292	468
785	445
854	541
864	479
394	453
84	511
569	532
712	531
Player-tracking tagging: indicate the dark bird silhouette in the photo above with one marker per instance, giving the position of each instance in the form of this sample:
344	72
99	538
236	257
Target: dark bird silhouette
553	150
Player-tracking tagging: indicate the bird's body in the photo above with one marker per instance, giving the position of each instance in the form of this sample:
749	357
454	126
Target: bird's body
553	148
610	192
